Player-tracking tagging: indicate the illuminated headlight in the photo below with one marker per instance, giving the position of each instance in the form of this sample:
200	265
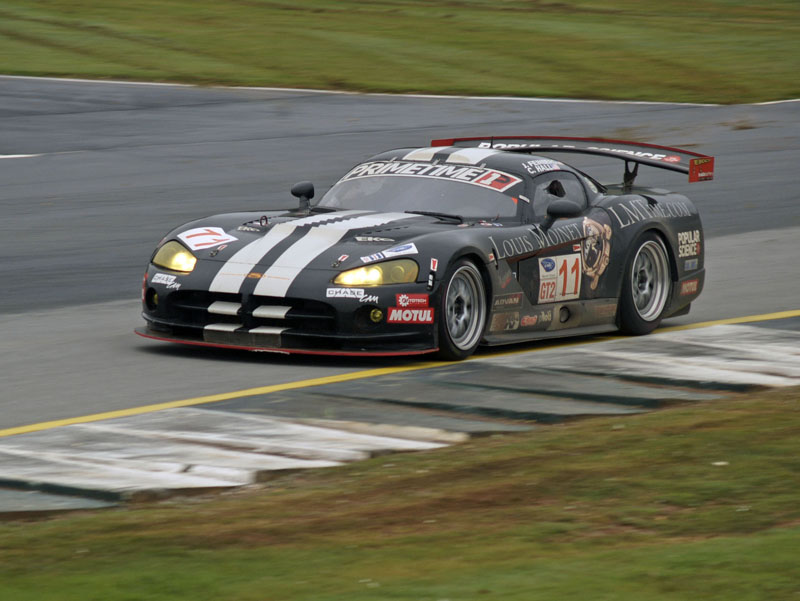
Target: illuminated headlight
174	256
400	271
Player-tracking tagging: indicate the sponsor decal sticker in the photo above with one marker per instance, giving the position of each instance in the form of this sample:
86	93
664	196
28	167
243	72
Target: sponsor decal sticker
163	278
247	228
688	243
434	265
633	211
529	320
596	249
395	251
372	239
548	264
478	176
508	300
400	315
403	249
672	159
537	166
561	283
689	287
505	322
344	292
411	300
205	237
343	258
356	293
690	265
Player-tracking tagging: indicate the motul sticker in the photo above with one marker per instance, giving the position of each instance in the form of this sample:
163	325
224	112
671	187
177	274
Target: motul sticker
411	300
400	315
205	237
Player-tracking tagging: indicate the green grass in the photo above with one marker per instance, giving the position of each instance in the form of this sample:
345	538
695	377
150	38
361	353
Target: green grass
622	509
714	51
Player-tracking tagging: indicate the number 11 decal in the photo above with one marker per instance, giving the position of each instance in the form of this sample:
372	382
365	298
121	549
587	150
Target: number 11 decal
560	278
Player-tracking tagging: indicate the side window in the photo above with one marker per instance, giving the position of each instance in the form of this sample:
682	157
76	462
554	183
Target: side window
554	185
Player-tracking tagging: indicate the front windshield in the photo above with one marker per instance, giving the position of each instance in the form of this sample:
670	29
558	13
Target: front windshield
454	189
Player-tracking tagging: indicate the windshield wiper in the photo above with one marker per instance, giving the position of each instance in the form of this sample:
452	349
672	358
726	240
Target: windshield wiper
458	218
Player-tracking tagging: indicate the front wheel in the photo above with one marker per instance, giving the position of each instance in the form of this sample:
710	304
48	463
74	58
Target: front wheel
645	286
462	316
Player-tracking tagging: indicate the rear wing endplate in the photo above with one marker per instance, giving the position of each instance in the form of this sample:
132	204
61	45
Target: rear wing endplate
700	167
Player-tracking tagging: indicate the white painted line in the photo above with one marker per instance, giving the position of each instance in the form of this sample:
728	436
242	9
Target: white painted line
18	156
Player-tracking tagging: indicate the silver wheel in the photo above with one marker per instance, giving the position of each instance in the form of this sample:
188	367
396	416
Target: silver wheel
650	280
465	307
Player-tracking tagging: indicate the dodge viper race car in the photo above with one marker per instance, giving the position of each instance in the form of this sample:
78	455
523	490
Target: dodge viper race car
465	242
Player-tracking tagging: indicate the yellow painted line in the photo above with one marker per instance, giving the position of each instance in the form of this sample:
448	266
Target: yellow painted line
359	375
735	320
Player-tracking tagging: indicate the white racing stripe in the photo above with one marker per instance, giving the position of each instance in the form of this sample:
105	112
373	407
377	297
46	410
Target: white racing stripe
425	154
233	273
277	279
470	156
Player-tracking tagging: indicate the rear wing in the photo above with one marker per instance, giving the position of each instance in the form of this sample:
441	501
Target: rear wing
700	167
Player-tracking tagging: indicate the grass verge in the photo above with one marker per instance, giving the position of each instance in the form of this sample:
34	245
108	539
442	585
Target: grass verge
692	502
716	51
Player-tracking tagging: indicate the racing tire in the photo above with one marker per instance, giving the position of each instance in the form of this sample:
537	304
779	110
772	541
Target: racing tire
646	286
462	314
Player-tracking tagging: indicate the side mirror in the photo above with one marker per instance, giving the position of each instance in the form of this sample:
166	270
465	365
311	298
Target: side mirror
305	192
560	209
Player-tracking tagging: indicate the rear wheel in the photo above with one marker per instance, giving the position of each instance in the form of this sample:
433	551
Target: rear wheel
645	286
463	311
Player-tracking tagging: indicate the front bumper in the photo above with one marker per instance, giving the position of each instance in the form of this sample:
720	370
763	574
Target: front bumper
332	326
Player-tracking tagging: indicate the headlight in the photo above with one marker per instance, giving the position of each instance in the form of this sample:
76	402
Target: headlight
174	256
400	271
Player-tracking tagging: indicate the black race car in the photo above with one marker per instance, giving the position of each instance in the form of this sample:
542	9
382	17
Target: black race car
465	242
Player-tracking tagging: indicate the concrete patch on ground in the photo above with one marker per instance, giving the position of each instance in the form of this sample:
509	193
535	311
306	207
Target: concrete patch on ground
240	441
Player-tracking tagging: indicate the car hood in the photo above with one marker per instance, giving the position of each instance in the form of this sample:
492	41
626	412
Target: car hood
278	248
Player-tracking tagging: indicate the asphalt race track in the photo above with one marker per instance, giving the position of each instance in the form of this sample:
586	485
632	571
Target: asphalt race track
93	174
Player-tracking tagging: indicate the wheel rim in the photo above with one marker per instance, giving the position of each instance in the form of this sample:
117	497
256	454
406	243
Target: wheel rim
465	308
650	280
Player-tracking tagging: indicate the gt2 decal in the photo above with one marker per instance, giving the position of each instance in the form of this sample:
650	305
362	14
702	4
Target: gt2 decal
400	315
688	244
205	237
560	278
478	176
596	249
633	211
